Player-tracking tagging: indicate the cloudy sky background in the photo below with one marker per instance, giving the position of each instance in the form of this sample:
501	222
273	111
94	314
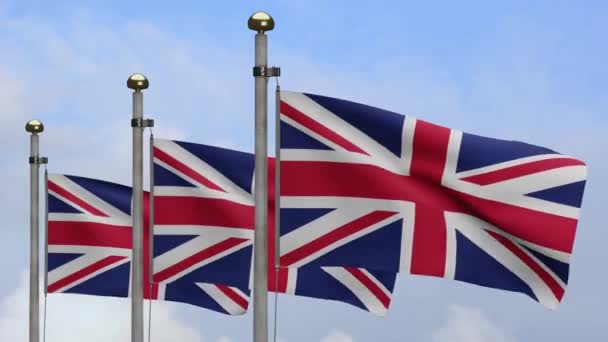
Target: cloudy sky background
532	72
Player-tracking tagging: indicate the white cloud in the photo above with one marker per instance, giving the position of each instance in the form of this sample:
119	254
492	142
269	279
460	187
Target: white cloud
337	336
75	318
88	318
224	339
469	325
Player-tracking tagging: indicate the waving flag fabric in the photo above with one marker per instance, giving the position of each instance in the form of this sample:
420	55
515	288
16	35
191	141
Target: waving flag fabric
89	236
202	220
370	290
206	195
365	187
90	239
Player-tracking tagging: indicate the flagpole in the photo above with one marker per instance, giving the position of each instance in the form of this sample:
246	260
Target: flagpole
46	250
261	22
34	127
46	234
137	82
151	233
277	204
277	180
151	237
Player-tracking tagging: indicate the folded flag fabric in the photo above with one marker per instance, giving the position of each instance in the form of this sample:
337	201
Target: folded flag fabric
207	194
366	187
89	247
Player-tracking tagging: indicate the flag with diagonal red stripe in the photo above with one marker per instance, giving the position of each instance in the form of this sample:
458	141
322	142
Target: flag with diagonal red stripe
89	236
204	202
365	187
89	248
202	217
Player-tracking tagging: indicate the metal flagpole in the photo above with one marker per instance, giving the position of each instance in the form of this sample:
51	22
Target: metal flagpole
277	204
46	232
151	237
137	82
261	22
46	250
34	127
277	180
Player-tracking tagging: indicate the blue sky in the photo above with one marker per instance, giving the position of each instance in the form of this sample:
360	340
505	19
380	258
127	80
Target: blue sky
531	71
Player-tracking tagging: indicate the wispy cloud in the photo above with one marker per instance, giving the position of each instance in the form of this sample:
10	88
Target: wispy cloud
88	318
466	324
338	336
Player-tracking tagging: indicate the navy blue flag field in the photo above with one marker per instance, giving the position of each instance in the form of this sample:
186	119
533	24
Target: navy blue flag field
89	249
365	187
210	193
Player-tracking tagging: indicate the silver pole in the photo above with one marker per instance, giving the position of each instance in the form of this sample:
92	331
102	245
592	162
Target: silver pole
260	276
46	232
34	244
34	127
277	205
261	22
137	82
151	234
277	180
46	250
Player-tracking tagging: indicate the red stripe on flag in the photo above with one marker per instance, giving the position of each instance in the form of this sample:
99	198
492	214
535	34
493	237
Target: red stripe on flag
150	290
345	180
197	257
277	279
278	285
429	246
318	128
370	285
199	211
521	170
333	236
363	181
72	198
80	233
555	287
235	296
185	169
430	148
84	272
547	230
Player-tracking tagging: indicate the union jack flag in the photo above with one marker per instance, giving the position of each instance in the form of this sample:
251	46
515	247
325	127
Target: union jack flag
204	201
89	236
202	218
365	187
89	246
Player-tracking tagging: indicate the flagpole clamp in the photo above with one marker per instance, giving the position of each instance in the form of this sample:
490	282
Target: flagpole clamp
266	71
142	122
39	160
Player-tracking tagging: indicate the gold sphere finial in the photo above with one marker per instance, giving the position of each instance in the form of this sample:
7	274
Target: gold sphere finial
261	22
138	82
34	126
